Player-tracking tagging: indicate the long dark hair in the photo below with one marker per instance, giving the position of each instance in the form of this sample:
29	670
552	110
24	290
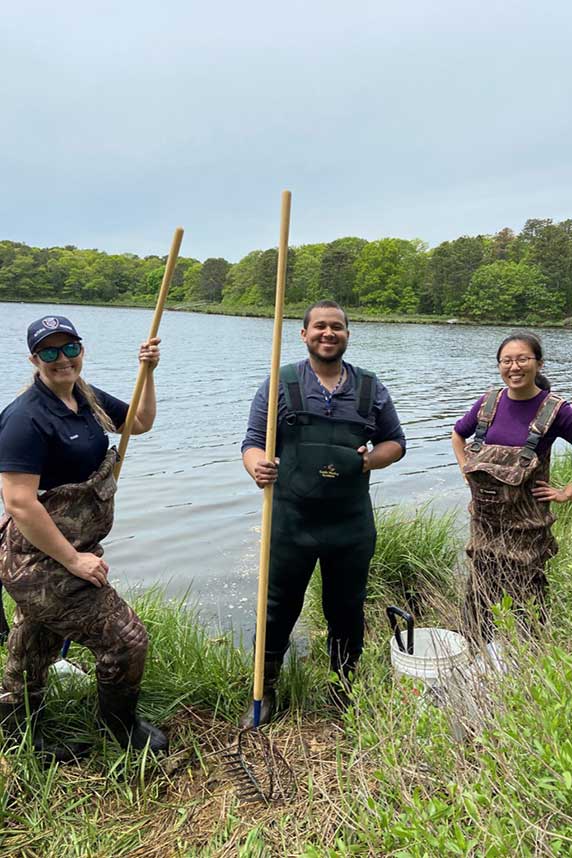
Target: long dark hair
534	342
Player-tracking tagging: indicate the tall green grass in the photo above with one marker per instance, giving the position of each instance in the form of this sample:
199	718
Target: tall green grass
389	778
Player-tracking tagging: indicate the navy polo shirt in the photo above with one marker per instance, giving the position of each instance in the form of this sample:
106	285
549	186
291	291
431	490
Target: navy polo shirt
39	434
342	407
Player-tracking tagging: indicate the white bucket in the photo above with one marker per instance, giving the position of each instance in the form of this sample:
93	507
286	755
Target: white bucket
437	654
65	671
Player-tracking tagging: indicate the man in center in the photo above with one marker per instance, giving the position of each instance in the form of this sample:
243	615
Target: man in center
336	423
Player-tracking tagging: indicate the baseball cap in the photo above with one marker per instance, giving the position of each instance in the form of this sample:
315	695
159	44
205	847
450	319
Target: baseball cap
48	325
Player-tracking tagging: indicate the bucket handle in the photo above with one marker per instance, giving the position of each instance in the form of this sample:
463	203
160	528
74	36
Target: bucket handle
392	613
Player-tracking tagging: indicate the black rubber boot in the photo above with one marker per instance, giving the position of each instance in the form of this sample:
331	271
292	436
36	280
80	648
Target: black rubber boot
268	706
14	721
4	627
118	711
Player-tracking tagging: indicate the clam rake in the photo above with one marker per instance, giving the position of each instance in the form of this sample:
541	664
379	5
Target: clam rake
257	768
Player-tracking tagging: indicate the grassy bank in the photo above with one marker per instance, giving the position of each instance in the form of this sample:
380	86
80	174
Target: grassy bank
297	312
387	779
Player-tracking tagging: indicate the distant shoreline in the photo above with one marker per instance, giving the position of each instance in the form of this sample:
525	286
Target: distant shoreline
297	311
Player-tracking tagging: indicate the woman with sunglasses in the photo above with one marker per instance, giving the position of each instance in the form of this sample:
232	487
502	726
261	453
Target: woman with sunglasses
57	489
507	467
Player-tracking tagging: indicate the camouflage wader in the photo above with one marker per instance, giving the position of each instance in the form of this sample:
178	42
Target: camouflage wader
510	536
52	604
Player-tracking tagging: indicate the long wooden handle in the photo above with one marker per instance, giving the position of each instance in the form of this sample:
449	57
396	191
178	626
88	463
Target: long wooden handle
271	427
144	367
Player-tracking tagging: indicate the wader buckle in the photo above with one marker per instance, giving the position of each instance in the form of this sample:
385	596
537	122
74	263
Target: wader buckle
526	457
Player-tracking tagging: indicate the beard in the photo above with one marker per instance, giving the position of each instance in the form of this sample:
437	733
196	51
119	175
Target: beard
333	357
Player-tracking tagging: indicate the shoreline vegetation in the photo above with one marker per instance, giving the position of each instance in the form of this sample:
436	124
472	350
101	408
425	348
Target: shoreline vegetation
297	312
496	278
390	777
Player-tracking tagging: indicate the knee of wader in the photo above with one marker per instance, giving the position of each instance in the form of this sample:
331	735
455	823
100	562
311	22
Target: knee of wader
124	658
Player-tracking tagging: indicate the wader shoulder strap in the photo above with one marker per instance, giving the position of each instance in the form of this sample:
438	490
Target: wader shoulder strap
485	417
541	423
295	399
365	392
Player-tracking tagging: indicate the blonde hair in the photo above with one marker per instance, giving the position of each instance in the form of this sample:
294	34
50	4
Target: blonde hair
96	409
98	412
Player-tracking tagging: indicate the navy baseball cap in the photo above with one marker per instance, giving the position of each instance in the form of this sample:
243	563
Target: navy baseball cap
42	328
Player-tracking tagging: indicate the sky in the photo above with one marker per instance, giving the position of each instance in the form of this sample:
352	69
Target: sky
426	119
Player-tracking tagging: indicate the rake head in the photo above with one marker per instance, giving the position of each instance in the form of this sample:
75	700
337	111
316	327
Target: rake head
258	769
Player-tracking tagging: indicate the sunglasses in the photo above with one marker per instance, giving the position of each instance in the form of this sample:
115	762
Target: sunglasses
51	353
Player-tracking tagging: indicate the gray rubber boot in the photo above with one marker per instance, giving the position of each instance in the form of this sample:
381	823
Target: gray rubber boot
272	669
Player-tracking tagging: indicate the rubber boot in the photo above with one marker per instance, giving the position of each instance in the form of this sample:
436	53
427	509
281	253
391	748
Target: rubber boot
4	627
14	721
268	706
118	711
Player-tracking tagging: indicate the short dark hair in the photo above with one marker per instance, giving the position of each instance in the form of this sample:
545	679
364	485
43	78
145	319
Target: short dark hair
534	342
327	302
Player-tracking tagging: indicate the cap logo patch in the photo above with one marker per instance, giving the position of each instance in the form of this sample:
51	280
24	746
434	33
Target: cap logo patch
50	322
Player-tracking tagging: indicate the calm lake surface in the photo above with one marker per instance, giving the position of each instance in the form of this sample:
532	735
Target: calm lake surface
188	515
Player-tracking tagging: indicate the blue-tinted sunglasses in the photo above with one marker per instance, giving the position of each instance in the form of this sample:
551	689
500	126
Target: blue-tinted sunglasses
51	353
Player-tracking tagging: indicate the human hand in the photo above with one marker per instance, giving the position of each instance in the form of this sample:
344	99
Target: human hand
545	492
265	473
364	453
90	567
149	352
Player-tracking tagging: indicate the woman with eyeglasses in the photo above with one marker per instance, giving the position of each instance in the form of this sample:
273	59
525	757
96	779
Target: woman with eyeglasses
57	489
507	467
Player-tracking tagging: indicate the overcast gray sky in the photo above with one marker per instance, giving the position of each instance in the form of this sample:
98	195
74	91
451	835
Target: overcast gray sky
435	118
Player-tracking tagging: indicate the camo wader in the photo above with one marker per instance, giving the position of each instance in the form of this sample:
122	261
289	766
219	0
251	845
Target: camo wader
321	511
52	604
510	536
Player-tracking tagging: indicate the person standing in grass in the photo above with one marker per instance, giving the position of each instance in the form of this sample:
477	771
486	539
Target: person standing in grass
507	467
336	423
58	488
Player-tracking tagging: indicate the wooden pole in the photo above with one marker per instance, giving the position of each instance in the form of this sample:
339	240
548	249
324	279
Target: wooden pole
271	427
144	367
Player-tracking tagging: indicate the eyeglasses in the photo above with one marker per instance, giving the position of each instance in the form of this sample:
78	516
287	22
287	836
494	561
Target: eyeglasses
51	353
521	360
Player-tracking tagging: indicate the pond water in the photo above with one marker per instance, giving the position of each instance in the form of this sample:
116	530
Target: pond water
188	514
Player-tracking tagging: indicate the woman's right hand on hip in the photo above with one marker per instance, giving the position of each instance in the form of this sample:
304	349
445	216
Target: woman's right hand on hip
90	567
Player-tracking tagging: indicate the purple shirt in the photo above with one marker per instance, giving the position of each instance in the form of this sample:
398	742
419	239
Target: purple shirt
512	419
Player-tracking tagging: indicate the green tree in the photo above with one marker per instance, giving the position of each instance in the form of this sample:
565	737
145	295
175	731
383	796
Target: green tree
305	284
240	286
509	291
389	275
337	270
212	278
450	268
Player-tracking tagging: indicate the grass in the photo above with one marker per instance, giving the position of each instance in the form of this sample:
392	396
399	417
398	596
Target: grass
390	778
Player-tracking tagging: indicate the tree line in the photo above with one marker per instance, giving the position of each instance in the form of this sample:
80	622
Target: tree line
503	277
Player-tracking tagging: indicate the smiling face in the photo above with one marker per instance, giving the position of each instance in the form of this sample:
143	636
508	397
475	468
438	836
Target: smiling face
326	336
62	372
519	377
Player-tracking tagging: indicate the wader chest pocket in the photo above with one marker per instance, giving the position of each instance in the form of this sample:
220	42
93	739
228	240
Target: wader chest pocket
322	471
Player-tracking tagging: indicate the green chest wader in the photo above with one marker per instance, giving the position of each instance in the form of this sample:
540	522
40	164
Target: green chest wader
321	497
510	539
